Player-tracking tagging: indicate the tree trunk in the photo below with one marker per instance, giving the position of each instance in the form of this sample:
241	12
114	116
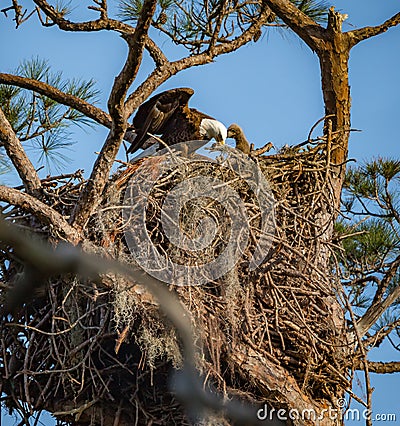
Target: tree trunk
334	61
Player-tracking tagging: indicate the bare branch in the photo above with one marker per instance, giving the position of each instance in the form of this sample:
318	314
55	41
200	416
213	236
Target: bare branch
104	23
361	34
59	96
220	18
17	155
19	14
136	42
270	377
307	29
89	198
42	211
156	53
161	74
381	367
378	306
64	24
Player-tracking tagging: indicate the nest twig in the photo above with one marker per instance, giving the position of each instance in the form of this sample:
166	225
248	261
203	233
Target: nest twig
81	343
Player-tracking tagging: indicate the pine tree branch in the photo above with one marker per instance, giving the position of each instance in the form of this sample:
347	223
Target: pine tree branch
376	339
361	34
380	367
378	306
42	211
305	27
103	23
59	96
90	196
163	73
17	155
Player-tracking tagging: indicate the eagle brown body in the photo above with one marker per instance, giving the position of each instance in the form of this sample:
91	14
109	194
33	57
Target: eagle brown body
236	132
168	115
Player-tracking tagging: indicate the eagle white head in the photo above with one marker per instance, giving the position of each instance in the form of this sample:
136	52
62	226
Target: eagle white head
210	128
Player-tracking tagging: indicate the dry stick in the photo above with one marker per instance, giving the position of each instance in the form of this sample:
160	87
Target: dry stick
163	73
66	260
26	381
41	210
77	411
77	174
309	140
368	420
104	23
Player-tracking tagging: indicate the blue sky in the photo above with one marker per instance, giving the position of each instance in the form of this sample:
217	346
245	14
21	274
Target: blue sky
271	88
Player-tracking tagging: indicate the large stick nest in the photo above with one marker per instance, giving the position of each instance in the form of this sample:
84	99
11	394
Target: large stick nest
89	350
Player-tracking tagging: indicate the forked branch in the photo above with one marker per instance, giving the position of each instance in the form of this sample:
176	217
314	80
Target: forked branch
136	43
103	23
305	27
90	196
163	73
42	211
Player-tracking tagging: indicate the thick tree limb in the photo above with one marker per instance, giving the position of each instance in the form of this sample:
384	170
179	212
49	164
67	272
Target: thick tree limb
306	28
381	367
90	197
42	211
378	306
274	380
17	155
136	42
367	32
59	96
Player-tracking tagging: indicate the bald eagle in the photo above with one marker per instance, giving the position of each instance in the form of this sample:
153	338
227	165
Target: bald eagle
236	132
168	115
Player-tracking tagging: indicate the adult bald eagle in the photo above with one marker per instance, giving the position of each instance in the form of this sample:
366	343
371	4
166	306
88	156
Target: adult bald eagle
168	115
236	132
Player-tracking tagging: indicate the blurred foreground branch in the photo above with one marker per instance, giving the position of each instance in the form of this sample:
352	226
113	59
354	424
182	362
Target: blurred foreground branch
42	262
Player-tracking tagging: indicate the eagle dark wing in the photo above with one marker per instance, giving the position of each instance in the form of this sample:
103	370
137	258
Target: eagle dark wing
153	115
